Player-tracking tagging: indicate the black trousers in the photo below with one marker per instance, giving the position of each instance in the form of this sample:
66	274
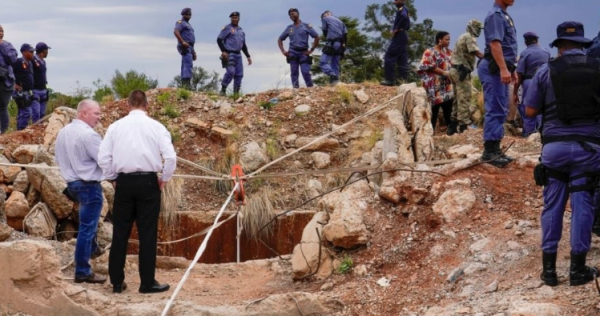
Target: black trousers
446	108
137	199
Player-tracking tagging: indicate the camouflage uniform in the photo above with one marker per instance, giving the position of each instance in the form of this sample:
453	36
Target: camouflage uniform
463	55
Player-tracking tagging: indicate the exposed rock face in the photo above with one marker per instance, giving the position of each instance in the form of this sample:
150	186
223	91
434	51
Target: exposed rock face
321	160
253	157
59	119
309	249
30	280
454	202
50	184
16	208
346	227
400	142
327	144
420	120
41	222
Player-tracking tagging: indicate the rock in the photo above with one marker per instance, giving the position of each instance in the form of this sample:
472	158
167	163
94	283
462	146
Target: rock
58	119
420	122
34	266
535	138
346	227
360	270
33	196
361	96
26	154
109	194
454	275
314	188
5	231
239	100
21	183
66	230
104	234
492	287
253	157
453	203
327	144
41	222
321	160
285	95
461	151
509	225
327	286
50	184
384	282
400	141
8	174
302	109
224	108
479	245
16	209
2	205
309	249
290	140
527	308
288	304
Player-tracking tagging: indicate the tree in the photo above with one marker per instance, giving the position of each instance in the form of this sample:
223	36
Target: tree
202	80
122	85
379	19
358	64
102	92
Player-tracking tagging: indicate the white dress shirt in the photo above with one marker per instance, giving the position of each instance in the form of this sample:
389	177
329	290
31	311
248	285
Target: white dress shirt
137	143
76	152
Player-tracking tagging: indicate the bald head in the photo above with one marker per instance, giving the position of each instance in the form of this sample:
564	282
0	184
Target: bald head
89	112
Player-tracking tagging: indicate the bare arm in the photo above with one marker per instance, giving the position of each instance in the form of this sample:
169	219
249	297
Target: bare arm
531	112
283	51
180	39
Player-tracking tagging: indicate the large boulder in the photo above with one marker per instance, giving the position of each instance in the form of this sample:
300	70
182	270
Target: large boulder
30	281
305	258
346	227
398	142
21	183
253	157
5	231
109	194
26	154
420	122
16	209
8	174
50	184
41	222
58	119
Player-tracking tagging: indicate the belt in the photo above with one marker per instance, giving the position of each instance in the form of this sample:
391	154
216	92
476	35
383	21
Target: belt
233	51
134	174
302	49
86	181
527	77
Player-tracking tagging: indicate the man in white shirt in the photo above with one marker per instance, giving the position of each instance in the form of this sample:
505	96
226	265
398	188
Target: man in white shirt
131	155
77	154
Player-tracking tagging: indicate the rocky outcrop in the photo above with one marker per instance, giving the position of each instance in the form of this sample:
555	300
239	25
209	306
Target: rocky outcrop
305	258
346	227
420	122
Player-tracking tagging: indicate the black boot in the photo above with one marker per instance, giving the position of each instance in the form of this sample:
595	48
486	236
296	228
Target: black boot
223	91
491	156
334	80
462	128
452	128
186	84
549	269
581	274
236	91
503	155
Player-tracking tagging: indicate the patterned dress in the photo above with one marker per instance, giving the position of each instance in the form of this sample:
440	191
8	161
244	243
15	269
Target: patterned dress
439	88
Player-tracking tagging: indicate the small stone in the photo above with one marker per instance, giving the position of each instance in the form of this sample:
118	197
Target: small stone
519	233
454	275
327	286
384	282
492	287
302	109
360	270
509	225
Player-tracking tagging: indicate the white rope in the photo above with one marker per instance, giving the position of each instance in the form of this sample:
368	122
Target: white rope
199	253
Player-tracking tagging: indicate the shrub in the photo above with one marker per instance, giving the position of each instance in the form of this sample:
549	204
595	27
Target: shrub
122	85
170	110
346	265
102	92
183	94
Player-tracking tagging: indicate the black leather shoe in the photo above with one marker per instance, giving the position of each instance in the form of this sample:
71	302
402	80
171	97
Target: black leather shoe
92	278
119	288
155	288
387	83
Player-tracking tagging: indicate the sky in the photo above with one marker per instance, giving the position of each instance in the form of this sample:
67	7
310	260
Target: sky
90	39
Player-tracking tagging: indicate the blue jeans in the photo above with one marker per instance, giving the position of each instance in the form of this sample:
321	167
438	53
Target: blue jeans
573	159
89	197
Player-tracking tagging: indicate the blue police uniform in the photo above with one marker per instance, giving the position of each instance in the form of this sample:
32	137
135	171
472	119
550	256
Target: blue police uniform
298	46
530	61
8	56
396	53
335	32
40	92
499	26
234	43
594	50
570	154
187	54
23	70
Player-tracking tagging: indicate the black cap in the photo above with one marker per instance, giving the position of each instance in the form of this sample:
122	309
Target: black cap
235	13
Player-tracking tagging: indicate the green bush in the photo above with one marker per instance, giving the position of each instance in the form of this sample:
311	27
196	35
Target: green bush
183	94
102	92
346	265
122	85
163	98
170	110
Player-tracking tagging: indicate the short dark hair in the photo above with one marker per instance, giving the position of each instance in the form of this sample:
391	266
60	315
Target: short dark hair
530	40
137	99
440	35
566	44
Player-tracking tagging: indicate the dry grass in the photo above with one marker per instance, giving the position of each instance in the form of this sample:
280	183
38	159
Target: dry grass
257	212
223	165
365	143
172	195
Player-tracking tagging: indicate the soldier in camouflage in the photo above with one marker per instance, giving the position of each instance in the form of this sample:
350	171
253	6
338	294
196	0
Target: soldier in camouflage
463	63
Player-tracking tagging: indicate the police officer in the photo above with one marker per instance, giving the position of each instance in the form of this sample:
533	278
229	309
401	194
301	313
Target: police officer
8	56
396	53
336	34
496	72
40	82
463	63
530	61
298	55
566	91
23	94
232	41
184	32
594	50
